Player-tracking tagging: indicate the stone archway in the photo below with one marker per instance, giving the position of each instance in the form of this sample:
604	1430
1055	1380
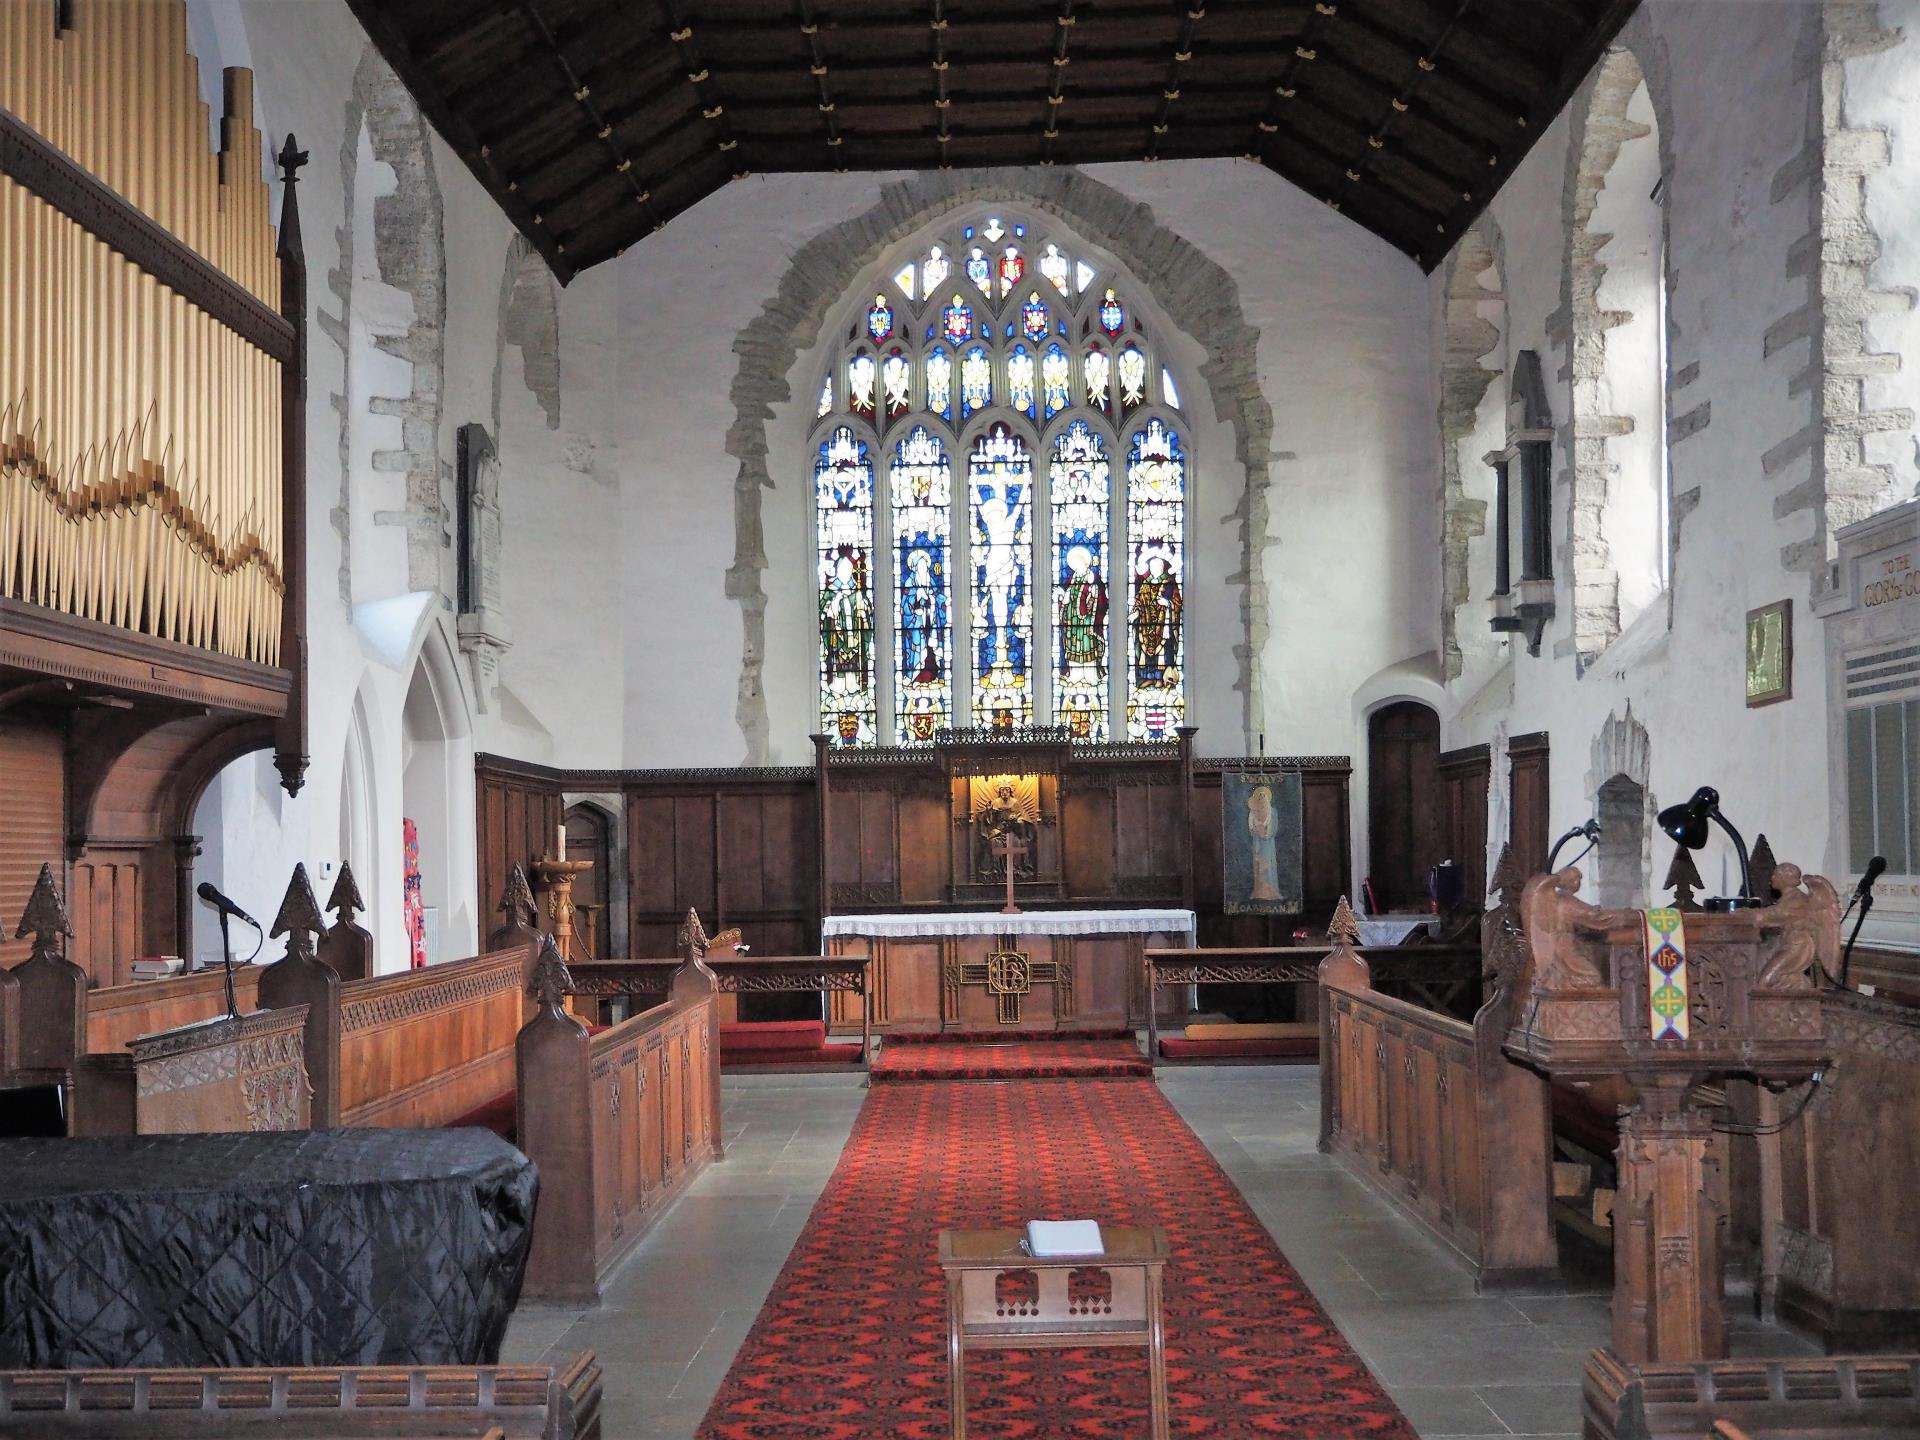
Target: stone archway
1199	296
1622	800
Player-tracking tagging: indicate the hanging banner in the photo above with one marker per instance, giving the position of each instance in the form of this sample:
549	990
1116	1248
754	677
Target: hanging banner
1667	999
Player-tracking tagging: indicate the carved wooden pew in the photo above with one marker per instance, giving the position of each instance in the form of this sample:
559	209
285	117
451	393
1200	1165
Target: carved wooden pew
1802	1399
1428	1110
512	1402
619	1122
224	1074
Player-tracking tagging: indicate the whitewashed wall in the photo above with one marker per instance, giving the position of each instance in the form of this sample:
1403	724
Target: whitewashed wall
1736	111
1342	360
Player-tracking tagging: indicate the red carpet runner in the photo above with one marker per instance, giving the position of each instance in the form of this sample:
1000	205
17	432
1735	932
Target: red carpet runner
851	1344
973	1056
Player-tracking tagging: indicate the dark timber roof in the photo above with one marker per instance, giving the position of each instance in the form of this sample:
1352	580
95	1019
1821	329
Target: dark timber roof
593	122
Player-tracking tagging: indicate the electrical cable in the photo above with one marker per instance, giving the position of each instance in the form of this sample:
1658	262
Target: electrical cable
1734	1127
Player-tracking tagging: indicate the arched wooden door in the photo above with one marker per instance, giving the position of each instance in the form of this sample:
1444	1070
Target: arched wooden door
1403	792
587	839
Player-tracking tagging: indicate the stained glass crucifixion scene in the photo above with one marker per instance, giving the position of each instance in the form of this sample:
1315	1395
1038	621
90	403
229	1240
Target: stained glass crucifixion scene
1019	372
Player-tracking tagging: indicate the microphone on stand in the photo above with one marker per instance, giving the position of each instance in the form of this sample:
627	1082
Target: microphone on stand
1862	896
220	902
227	908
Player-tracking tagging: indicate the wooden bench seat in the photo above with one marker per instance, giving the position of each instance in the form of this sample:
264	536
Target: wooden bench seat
512	1402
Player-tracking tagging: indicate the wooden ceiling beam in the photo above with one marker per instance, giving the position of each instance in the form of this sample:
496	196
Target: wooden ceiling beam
1453	21
1408	54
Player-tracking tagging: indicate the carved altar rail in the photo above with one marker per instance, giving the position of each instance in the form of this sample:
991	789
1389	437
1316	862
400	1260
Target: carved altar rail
619	1124
1440	978
511	1402
1428	1111
836	978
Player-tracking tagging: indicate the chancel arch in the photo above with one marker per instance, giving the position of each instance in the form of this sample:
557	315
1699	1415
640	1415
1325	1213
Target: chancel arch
1001	481
1474	357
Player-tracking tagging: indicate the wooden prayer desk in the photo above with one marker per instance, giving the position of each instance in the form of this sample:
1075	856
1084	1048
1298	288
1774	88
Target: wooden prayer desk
973	1262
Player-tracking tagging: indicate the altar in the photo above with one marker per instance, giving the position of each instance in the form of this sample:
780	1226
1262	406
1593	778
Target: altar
982	971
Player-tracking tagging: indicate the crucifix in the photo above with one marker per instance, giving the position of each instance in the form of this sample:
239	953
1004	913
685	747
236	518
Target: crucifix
1009	847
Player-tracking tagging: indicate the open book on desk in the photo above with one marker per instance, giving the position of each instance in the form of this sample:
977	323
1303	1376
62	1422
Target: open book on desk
1051	1239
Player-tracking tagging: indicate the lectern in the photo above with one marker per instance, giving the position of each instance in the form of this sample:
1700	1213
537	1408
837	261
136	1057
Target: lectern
1659	1004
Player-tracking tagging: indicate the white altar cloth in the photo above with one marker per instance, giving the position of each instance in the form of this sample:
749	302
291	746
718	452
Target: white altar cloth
1391	929
1030	922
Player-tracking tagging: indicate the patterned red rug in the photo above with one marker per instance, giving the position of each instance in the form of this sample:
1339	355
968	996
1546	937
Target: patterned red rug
851	1344
989	1056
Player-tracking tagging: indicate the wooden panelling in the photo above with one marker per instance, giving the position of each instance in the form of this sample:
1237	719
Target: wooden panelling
1529	816
742	846
120	1013
518	820
33	829
1464	776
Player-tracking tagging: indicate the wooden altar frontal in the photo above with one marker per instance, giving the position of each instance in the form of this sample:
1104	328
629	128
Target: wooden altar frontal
1044	970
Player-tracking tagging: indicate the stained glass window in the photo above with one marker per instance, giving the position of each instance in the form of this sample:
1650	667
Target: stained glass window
1078	489
1000	505
976	381
1097	374
980	270
860	384
956	321
934	273
1033	317
1035	572
1130	371
1020	380
1055	380
1053	265
896	384
940	383
1013	265
843	514
920	486
1156	581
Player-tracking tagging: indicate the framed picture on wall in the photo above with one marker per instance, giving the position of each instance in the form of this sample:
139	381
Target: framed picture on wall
1770	653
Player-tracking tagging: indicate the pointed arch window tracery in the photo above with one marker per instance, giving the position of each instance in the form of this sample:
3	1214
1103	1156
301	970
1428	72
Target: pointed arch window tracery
997	432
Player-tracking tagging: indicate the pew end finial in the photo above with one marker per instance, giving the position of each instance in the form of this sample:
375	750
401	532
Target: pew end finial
552	982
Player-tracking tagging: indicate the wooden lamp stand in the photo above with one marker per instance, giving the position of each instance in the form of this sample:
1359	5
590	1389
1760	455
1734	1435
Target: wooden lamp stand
555	879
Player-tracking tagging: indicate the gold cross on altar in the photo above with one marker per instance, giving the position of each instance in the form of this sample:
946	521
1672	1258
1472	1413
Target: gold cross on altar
1009	847
1008	976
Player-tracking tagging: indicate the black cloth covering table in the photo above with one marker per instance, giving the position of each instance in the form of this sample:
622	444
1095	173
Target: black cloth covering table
324	1247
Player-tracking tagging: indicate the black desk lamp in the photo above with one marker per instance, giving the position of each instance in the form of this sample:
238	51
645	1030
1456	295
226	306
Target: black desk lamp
1687	825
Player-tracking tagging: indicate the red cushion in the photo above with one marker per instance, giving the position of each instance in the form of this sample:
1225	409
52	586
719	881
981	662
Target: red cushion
1277	1047
499	1115
774	1035
826	1056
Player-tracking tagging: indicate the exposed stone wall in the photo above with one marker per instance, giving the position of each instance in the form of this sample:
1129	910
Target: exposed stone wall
529	323
410	256
1601	126
1829	479
1469	342
1620	797
1201	297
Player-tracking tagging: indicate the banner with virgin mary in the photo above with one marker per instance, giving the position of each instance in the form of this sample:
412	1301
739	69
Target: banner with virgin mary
1260	821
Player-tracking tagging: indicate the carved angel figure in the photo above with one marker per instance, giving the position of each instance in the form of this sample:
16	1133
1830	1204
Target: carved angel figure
1552	909
1809	909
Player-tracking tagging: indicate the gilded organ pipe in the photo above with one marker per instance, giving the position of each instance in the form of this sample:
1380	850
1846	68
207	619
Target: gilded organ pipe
140	431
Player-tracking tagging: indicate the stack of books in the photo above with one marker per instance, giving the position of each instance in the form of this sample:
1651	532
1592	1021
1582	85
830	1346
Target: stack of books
156	967
1051	1239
